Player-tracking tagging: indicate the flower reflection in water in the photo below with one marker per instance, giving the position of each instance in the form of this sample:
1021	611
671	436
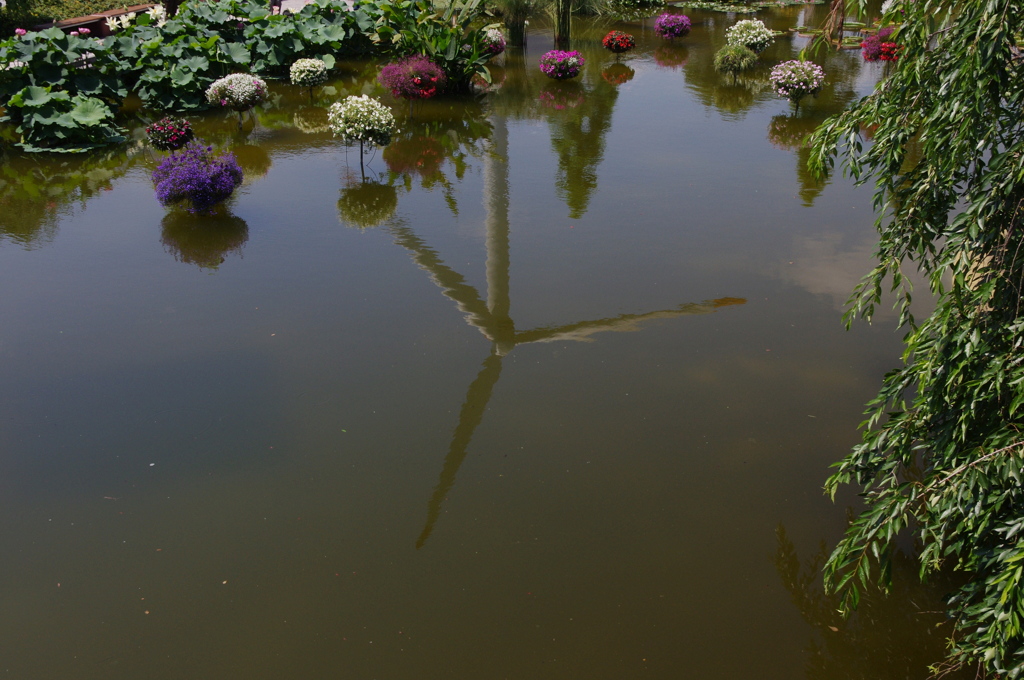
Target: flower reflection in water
204	241
618	73
671	56
311	120
561	96
367	204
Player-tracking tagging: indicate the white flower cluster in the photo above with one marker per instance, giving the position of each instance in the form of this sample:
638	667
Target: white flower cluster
362	118
796	79
159	15
120	22
750	33
887	6
239	91
308	73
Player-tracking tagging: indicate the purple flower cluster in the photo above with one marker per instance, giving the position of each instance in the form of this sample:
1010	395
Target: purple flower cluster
561	65
415	77
671	26
196	178
871	48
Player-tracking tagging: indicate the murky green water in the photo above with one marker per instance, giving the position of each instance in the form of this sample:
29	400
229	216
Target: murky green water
551	396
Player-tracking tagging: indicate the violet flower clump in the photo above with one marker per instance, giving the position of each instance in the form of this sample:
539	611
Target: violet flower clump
671	26
196	179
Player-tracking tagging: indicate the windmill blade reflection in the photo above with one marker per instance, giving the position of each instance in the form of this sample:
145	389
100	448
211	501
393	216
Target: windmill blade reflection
452	284
624	323
477	397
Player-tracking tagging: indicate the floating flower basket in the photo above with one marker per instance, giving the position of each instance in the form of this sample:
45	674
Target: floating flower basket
672	26
561	65
618	42
750	33
796	79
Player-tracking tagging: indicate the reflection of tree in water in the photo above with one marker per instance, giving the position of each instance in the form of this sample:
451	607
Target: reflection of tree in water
578	136
367	204
517	98
203	240
35	191
790	132
254	161
437	141
894	635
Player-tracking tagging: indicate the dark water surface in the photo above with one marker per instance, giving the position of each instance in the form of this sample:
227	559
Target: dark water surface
552	395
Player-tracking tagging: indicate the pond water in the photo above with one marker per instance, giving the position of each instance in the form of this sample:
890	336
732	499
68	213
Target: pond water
551	394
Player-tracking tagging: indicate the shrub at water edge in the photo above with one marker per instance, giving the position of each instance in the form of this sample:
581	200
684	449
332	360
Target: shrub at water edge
415	77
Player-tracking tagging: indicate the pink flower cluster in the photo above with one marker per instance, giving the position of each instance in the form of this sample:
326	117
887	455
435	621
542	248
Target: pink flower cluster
415	77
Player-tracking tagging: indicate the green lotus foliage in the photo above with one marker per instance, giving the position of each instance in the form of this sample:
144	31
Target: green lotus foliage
58	121
942	455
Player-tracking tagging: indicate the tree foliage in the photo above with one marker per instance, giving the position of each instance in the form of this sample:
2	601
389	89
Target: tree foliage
942	452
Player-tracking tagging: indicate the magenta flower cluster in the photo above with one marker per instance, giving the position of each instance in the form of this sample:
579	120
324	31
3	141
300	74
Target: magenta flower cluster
415	77
671	26
196	179
561	65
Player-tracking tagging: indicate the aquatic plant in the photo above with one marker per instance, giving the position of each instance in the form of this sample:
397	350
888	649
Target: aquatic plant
238	91
308	73
734	59
670	26
57	121
561	65
618	42
750	33
415	77
796	79
196	179
169	134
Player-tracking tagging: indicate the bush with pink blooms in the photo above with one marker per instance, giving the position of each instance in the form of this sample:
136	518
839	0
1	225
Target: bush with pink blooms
415	77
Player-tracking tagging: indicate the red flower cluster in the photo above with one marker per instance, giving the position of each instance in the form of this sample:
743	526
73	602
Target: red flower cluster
618	42
890	51
169	134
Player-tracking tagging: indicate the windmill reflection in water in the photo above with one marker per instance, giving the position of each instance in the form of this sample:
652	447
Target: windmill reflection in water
493	319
